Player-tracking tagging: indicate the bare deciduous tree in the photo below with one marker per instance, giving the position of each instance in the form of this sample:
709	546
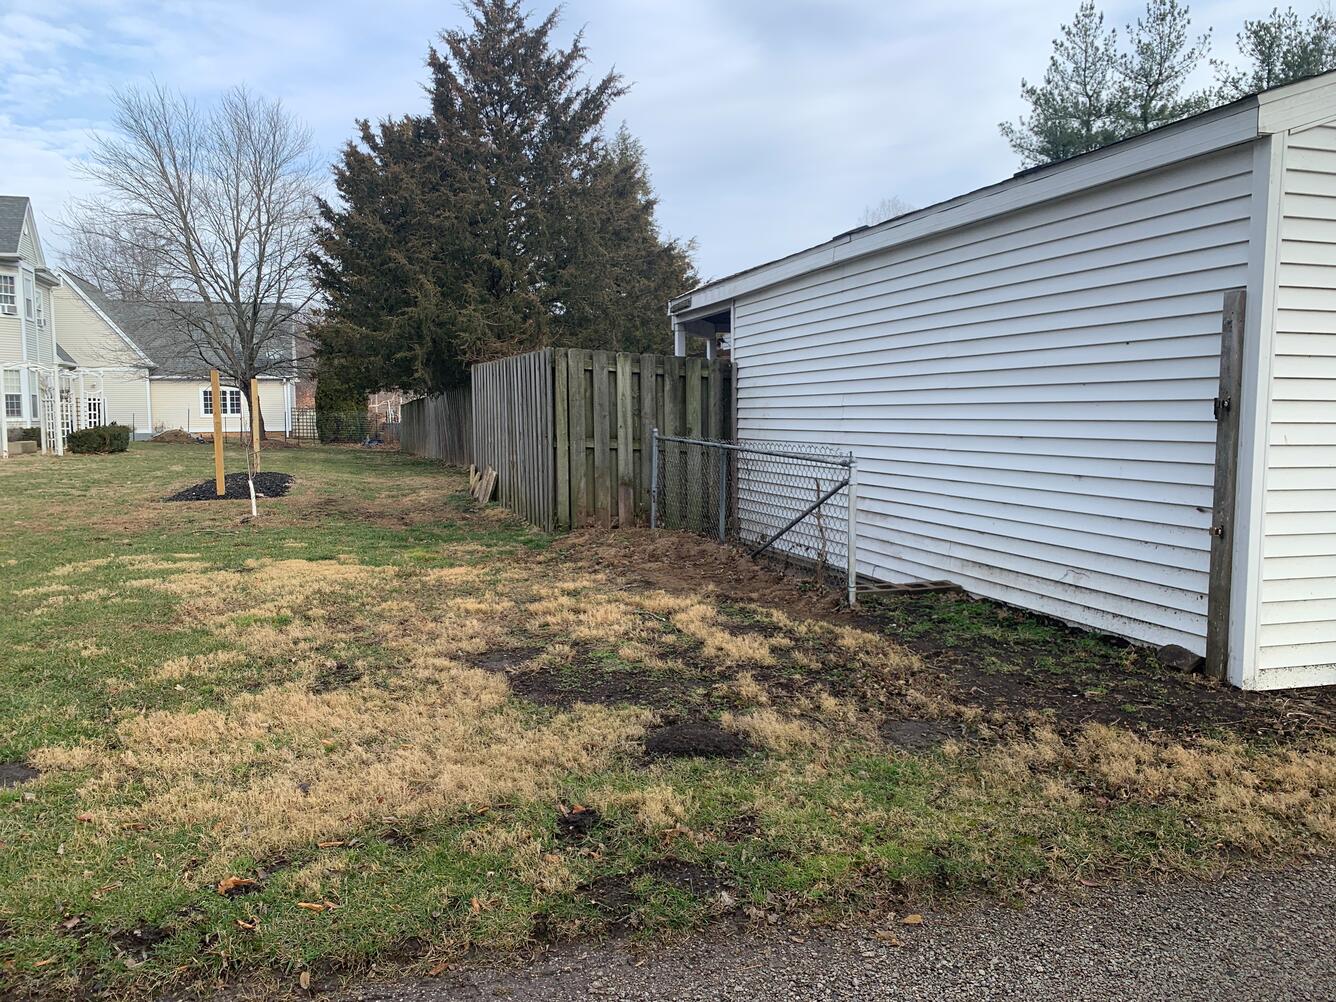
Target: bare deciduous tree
887	208
206	216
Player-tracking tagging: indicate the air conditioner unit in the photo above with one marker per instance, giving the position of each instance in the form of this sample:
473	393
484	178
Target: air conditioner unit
9	311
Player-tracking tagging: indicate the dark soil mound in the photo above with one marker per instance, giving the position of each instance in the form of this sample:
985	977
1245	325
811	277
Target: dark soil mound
14	773
267	485
176	436
577	824
700	738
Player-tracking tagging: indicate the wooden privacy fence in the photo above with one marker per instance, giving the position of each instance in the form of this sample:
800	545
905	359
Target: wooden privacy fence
568	430
607	406
439	427
513	432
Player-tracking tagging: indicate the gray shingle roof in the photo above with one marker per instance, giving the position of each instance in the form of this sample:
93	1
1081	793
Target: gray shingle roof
13	210
163	332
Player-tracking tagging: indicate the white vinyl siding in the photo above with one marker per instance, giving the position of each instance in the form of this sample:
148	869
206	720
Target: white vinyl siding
1029	397
1297	629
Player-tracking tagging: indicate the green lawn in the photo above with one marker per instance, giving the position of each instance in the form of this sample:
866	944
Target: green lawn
381	725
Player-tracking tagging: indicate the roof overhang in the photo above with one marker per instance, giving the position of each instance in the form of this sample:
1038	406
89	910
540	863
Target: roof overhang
1296	105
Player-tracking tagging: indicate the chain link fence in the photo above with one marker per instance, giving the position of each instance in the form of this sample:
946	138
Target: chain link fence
796	500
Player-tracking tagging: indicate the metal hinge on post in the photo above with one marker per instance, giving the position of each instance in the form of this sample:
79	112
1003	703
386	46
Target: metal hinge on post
1220	407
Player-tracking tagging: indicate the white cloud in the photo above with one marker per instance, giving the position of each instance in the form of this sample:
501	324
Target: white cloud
769	124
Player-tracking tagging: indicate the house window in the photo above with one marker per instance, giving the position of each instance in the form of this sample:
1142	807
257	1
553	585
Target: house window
231	401
13	395
41	318
8	295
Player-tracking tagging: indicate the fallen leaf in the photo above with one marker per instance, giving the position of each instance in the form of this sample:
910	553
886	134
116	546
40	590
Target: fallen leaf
438	969
317	906
229	886
304	979
85	816
912	920
331	844
887	937
43	963
476	905
250	926
70	923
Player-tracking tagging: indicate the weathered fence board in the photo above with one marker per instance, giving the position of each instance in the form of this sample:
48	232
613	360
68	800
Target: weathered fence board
513	432
439	427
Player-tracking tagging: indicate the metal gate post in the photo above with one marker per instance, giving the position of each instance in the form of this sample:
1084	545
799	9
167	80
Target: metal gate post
654	479
853	530
723	493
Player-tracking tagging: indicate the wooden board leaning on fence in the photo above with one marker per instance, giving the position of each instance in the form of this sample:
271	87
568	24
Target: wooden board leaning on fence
482	483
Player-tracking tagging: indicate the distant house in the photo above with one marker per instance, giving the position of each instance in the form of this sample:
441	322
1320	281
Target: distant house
91	338
178	381
71	356
30	368
1031	379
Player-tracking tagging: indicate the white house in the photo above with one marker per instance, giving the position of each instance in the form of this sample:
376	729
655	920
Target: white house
1032	380
42	386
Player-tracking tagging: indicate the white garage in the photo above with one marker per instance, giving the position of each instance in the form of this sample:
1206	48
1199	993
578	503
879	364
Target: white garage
1103	390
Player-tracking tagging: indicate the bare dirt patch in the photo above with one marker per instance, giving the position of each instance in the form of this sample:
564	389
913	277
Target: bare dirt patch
918	735
14	773
694	738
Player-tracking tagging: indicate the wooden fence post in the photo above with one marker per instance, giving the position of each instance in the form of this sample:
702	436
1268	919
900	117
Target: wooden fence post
626	483
602	441
562	440
1226	478
649	420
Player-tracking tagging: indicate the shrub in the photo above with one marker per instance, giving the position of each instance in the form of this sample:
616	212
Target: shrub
100	438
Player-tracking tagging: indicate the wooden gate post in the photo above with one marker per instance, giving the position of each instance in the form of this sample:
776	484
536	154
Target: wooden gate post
1226	480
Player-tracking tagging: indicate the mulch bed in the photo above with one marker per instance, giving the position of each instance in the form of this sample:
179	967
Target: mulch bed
267	485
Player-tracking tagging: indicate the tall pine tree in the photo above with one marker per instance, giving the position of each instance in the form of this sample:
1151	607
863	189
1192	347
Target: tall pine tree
1093	93
502	221
1073	109
1279	49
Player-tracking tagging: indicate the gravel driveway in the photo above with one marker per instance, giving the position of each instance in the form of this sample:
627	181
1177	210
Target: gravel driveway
1260	936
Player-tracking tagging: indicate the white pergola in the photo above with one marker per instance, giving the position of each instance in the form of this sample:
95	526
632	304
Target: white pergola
68	399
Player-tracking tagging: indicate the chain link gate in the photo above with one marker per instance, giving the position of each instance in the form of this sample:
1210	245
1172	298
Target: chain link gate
794	498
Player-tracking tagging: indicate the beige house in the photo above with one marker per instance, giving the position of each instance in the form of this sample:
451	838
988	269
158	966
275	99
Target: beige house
153	378
88	334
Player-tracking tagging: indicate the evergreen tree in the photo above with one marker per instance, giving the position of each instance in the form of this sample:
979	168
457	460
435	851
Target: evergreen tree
1279	49
1094	94
1154	70
502	221
1074	109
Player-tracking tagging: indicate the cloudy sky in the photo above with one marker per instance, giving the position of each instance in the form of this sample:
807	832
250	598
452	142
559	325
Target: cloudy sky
769	124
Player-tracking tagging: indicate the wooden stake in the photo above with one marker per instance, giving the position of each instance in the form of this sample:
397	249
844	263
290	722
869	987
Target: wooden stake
255	422
220	485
